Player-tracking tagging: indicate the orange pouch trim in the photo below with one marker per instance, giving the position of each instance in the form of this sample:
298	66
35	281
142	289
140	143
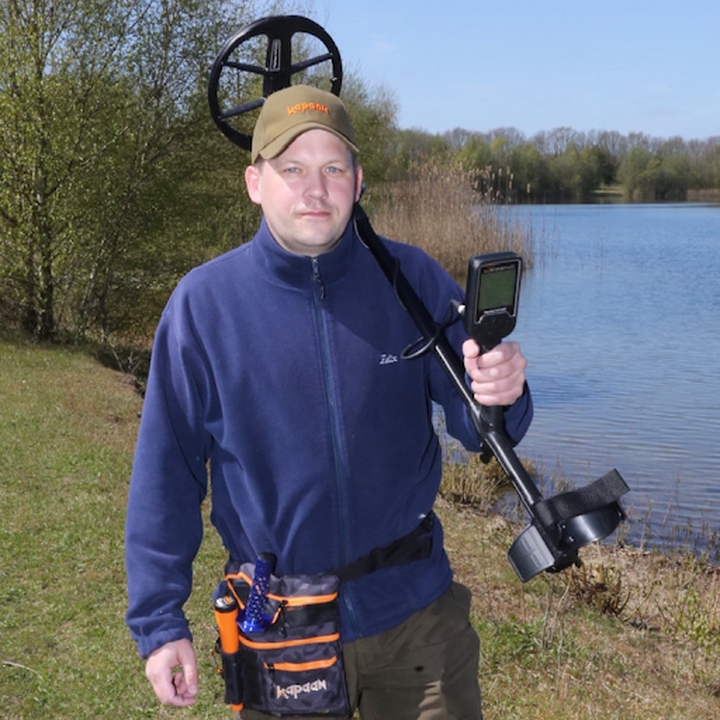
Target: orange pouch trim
301	667
285	601
288	643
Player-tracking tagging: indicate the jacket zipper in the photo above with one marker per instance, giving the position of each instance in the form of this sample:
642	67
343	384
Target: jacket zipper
333	404
318	278
334	409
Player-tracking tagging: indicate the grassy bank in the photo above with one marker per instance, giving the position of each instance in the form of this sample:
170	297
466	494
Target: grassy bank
631	635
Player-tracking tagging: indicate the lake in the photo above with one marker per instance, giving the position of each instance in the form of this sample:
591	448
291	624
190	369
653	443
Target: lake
619	320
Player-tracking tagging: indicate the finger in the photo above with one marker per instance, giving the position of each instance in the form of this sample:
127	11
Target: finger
175	692
189	670
470	349
502	353
179	684
183	694
499	386
162	685
483	365
185	680
505	398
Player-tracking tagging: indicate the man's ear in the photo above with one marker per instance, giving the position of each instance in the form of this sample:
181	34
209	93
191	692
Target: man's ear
358	182
253	183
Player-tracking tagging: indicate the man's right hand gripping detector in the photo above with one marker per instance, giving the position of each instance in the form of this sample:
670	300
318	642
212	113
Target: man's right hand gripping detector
559	525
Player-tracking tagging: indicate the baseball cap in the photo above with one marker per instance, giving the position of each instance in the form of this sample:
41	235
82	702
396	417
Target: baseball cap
292	111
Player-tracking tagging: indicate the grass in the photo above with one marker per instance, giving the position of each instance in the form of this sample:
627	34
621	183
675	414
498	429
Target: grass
67	430
632	634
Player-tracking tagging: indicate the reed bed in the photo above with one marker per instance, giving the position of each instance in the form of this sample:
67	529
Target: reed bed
440	207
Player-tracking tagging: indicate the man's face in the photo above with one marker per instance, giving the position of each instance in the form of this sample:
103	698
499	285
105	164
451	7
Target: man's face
307	192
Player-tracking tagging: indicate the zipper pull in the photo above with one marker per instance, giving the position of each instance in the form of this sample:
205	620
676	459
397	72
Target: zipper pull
317	277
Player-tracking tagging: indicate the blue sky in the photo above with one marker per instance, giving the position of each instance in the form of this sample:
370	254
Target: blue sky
650	66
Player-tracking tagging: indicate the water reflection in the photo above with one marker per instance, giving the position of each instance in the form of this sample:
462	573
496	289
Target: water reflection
619	321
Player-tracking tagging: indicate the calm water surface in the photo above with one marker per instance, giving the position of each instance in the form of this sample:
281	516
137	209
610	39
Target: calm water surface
619	319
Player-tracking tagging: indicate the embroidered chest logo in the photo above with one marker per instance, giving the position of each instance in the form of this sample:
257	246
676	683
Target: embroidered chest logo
388	359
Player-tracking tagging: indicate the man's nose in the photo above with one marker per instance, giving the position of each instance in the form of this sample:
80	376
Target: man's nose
316	184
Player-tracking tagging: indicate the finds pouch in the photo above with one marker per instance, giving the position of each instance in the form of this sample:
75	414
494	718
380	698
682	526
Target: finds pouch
295	665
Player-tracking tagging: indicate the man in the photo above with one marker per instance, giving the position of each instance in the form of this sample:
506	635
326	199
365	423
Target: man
279	364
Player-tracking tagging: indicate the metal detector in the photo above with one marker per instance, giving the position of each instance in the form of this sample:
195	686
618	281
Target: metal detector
560	525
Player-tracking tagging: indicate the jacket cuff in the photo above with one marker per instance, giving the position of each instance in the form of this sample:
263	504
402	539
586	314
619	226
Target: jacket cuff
518	416
148	644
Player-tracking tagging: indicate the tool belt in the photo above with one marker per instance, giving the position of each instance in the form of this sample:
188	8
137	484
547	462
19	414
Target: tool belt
294	666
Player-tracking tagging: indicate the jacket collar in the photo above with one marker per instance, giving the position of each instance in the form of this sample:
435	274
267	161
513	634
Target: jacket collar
276	263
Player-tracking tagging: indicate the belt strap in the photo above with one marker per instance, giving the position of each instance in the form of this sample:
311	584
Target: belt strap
416	545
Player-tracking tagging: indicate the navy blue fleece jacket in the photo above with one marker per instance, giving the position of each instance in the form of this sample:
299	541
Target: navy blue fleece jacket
283	375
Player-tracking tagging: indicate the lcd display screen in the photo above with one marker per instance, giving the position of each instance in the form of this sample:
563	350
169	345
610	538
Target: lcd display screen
497	288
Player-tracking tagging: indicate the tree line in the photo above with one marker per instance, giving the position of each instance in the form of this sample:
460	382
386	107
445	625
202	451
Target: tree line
564	165
114	181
